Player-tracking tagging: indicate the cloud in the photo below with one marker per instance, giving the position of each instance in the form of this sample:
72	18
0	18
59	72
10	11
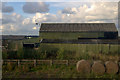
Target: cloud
26	21
16	24
102	11
92	13
12	18
44	17
96	12
1	27
33	7
0	15
68	11
7	9
34	28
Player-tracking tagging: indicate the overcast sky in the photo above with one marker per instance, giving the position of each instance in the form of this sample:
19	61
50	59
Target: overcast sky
20	17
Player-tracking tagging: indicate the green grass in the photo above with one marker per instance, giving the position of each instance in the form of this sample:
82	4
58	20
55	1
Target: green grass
58	51
81	51
62	51
83	48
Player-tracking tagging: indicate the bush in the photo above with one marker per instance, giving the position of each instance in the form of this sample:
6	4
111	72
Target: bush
4	55
29	53
12	54
60	53
9	67
20	53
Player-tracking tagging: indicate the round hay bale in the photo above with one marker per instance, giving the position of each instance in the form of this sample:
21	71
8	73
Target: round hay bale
83	66
111	67
98	68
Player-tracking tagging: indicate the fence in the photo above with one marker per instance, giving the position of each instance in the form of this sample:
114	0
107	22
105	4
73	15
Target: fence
40	62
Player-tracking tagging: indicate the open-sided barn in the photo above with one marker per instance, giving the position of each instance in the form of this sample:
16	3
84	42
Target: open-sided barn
75	31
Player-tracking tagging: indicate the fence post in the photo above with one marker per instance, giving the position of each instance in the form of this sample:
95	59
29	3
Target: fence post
51	62
67	62
34	63
18	63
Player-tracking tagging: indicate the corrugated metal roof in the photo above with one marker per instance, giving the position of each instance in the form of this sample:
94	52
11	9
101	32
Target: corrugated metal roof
78	27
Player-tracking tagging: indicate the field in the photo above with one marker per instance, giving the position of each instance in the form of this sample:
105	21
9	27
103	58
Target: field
45	71
61	51
56	51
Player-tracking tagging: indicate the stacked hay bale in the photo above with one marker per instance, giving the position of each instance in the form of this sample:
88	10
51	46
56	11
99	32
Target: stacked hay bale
83	67
111	67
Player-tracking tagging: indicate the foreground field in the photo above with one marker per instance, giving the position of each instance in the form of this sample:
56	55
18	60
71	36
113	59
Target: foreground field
45	71
56	51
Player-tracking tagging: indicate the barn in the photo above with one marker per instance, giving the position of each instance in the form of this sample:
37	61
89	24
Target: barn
76	31
78	39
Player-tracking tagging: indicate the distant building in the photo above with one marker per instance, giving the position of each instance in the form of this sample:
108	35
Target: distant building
75	31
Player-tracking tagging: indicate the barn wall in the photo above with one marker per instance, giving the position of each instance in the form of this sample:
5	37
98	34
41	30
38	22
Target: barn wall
70	35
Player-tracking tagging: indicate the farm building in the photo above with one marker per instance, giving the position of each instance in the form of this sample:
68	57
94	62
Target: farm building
76	31
78	39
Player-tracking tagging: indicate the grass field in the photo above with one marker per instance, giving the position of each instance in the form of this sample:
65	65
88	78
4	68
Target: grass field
103	52
45	71
82	51
63	51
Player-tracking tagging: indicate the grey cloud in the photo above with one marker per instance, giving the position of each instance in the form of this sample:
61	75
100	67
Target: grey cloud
10	19
33	7
18	27
7	9
67	11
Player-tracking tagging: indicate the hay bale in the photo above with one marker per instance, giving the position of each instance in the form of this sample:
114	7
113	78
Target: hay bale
83	66
98	68
111	67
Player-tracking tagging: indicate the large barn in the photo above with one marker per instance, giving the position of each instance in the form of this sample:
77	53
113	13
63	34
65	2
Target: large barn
75	31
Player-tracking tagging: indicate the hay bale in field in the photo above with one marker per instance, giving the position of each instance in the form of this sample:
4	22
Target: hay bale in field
83	66
98	68
111	67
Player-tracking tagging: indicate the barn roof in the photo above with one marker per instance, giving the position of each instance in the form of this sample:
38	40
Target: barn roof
78	27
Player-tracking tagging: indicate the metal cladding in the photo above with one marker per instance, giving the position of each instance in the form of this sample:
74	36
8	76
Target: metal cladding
78	27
